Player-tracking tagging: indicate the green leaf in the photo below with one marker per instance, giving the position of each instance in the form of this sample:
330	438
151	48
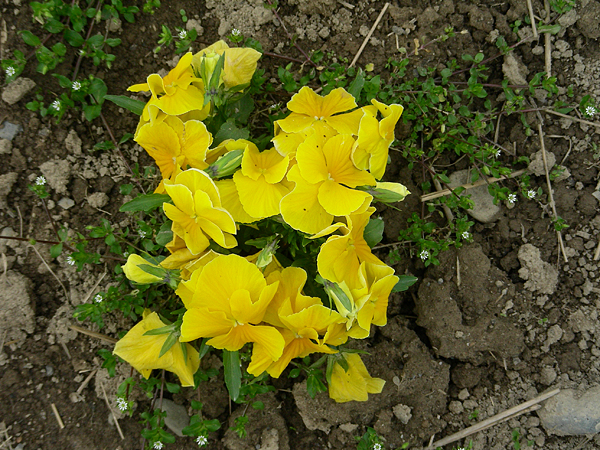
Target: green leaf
258	405
164	235
59	49
98	89
172	338
29	38
404	282
233	373
145	202
356	86
135	106
229	130
552	29
54	26
373	233
314	385
62	80
112	42
91	112
56	250
173	388
162	330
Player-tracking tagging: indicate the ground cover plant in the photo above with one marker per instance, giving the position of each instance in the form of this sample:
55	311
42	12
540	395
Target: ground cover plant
234	174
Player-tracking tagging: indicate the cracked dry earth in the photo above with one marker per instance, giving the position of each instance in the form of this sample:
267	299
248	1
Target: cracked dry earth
497	323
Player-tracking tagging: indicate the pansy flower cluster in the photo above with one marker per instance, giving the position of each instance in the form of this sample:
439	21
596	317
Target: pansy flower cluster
318	180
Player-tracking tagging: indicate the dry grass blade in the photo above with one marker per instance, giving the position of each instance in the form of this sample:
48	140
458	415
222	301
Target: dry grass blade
57	415
94	334
364	44
112	412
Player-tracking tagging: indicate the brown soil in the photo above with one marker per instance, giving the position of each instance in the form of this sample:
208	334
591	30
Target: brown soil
455	351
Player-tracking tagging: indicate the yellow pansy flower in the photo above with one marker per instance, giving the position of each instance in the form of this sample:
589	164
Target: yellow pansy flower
308	108
301	320
142	351
375	137
240	63
179	92
229	297
324	180
172	143
377	280
260	182
197	213
355	383
340	256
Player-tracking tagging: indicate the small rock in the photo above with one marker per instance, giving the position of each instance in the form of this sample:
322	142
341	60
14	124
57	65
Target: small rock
66	203
73	143
567	19
5	147
481	19
17	313
514	69
589	22
193	24
269	439
572	413
57	173
349	427
456	407
541	276
402	412
463	394
555	332
177	418
547	376
98	200
536	166
9	130
17	89
6	183
484	209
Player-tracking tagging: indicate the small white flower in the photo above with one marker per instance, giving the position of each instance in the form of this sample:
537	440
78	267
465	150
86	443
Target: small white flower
40	181
201	441
182	34
424	255
55	105
275	106
76	85
142	234
98	299
531	194
512	198
82	52
10	71
126	254
589	110
70	261
122	404
235	32
158	445
377	446
466	235
497	152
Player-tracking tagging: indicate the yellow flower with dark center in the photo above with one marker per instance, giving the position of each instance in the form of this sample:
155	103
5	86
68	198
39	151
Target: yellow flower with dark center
324	177
260	182
197	213
355	383
142	351
226	300
179	92
375	137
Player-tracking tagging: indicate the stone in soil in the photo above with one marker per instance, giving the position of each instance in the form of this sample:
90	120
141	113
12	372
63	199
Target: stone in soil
9	130
484	210
58	174
17	89
572	413
541	277
177	418
17	314
536	166
6	183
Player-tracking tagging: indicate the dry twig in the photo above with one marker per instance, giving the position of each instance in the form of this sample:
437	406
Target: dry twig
364	44
51	271
576	119
57	415
112	412
94	334
528	406
532	19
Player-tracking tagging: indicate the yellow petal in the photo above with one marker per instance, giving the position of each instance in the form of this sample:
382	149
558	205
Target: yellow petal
339	200
306	101
240	65
134	273
230	200
201	322
259	198
162	144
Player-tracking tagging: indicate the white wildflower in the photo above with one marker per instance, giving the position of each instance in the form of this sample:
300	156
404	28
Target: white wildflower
158	445
531	194
98	299
424	255
512	198
122	404
40	181
589	110
235	32
55	105
377	446
70	261
466	235
182	34
76	85
201	441
497	153
142	234
10	71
